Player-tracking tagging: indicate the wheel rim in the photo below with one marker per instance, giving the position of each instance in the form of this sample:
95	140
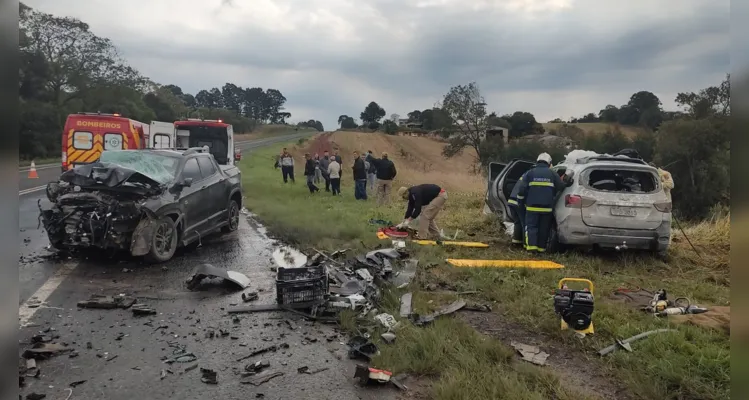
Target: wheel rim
233	216
163	238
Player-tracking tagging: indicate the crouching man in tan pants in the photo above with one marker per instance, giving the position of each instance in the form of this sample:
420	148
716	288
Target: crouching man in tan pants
424	201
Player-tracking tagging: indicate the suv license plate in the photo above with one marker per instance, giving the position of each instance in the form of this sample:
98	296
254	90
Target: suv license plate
624	211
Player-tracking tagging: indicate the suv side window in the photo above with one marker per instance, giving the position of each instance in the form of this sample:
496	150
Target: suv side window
206	166
192	170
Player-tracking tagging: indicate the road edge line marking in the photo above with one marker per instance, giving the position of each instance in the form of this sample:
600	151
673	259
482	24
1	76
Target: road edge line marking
25	313
31	190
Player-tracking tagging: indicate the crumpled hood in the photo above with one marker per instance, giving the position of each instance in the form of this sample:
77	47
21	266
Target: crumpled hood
106	174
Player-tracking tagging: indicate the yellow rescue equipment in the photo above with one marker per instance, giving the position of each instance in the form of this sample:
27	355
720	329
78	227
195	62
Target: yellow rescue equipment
532	264
575	307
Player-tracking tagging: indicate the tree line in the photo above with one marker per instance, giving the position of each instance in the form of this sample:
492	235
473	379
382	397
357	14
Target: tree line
66	68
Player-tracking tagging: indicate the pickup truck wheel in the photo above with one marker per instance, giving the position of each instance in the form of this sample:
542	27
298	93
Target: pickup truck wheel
233	217
164	242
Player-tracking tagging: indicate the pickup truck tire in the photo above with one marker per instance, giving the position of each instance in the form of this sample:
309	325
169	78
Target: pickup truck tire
164	242
233	223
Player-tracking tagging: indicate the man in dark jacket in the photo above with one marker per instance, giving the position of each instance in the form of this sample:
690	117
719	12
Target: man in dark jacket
360	177
309	172
324	162
539	188
424	201
385	174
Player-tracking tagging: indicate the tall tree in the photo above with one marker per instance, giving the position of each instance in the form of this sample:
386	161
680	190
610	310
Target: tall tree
372	114
465	105
414	116
709	101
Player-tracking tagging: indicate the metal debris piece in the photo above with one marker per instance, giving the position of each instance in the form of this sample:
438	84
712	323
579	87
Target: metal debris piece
163	374
532	354
43	351
142	309
30	363
388	337
273	348
77	383
427	319
107	302
260	379
365	275
256	367
209	376
182	358
207	270
350	287
398	381
250	296
305	370
625	343
405	311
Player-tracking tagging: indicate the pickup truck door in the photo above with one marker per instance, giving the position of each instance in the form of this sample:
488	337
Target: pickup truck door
192	200
214	194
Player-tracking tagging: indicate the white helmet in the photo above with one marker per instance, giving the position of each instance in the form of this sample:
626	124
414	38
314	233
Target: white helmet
545	157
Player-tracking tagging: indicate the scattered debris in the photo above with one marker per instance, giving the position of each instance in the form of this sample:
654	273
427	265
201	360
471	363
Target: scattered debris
209	376
361	348
36	396
388	337
405	310
367	375
107	302
250	296
77	383
386	320
208	270
182	358
625	343
449	309
260	379
532	264
532	354
365	275
478	307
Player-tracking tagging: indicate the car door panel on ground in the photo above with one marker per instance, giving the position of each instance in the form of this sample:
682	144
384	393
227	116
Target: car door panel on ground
192	198
213	187
492	201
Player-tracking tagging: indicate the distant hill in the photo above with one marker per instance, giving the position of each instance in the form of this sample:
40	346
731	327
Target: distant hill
597	127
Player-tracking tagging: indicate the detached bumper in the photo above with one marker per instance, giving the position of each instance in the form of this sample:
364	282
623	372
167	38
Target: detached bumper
573	231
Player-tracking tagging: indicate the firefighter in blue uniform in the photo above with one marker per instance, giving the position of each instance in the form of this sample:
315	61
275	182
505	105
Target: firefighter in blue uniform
539	189
517	208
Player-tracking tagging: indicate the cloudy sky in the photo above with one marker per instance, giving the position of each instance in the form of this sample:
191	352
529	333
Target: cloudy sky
554	58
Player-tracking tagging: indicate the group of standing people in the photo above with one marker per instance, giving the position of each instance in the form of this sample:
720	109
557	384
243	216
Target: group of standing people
377	174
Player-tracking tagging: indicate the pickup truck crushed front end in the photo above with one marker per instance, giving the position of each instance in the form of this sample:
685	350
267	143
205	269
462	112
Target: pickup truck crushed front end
98	206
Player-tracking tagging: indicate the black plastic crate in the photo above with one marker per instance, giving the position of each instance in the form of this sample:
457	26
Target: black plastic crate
301	285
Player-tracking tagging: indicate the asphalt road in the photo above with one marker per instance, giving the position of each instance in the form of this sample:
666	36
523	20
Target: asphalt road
50	172
126	355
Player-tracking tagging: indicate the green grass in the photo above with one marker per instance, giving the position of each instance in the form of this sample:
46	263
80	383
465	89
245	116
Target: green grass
693	363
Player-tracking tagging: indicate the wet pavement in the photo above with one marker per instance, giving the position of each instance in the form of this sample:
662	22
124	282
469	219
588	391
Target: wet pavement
125	358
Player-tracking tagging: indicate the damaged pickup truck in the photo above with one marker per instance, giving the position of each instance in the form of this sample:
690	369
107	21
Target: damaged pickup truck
147	202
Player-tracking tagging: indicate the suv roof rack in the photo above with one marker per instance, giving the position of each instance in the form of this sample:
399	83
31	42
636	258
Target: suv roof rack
610	158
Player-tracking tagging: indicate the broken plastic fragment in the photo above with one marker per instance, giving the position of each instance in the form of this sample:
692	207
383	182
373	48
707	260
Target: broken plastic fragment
206	270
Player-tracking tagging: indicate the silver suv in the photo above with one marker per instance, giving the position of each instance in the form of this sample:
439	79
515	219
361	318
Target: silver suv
613	202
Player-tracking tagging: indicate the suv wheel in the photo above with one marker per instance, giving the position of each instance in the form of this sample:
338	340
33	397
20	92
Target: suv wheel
164	242
233	217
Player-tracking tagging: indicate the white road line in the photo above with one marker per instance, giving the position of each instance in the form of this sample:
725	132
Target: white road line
31	190
25	313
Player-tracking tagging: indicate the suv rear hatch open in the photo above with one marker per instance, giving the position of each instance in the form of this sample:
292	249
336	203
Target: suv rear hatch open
621	196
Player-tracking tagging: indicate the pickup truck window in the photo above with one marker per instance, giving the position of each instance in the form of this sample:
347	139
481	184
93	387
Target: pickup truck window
192	170
206	166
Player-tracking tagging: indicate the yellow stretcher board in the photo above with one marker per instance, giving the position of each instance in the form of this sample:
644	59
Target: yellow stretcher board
533	264
451	243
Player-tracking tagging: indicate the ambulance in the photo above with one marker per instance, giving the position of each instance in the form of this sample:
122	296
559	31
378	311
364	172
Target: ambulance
86	135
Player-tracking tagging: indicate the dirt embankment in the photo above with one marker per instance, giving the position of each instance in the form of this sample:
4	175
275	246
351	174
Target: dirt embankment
417	159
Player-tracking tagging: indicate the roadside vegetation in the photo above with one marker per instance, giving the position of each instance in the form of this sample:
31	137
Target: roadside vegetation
467	358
